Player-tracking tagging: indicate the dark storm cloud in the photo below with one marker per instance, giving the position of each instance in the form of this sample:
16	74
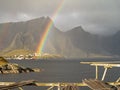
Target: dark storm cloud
96	16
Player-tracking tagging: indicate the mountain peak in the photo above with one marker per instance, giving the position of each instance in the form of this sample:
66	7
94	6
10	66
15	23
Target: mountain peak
40	19
78	31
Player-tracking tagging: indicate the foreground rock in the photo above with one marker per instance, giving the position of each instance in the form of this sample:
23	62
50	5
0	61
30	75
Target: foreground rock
6	67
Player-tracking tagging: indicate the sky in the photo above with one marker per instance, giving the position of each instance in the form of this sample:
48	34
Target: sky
95	16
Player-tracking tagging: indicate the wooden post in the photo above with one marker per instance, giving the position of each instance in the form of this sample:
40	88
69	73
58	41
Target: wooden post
105	71
50	88
20	88
96	72
59	86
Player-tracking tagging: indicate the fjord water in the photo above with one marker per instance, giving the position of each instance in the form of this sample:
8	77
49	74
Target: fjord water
58	71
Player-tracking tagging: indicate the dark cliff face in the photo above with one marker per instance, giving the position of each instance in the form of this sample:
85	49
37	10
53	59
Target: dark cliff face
73	43
83	40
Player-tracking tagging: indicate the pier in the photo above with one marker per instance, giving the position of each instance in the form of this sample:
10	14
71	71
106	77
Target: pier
19	85
92	83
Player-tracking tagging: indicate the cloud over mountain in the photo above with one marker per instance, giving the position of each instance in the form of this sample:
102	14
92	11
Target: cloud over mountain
96	16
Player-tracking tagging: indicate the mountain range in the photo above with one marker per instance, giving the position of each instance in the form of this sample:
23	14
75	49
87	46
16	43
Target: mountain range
74	43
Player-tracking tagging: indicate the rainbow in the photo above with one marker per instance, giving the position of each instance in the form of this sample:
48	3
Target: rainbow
48	28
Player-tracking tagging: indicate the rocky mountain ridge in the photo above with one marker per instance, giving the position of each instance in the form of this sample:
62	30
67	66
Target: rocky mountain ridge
75	43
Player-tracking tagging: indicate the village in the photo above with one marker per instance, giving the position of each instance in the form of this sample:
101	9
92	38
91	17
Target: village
34	56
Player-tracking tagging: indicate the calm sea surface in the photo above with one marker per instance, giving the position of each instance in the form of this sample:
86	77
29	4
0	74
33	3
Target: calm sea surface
59	71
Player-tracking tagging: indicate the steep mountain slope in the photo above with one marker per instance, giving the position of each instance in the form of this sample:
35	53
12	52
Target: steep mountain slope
112	44
75	43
